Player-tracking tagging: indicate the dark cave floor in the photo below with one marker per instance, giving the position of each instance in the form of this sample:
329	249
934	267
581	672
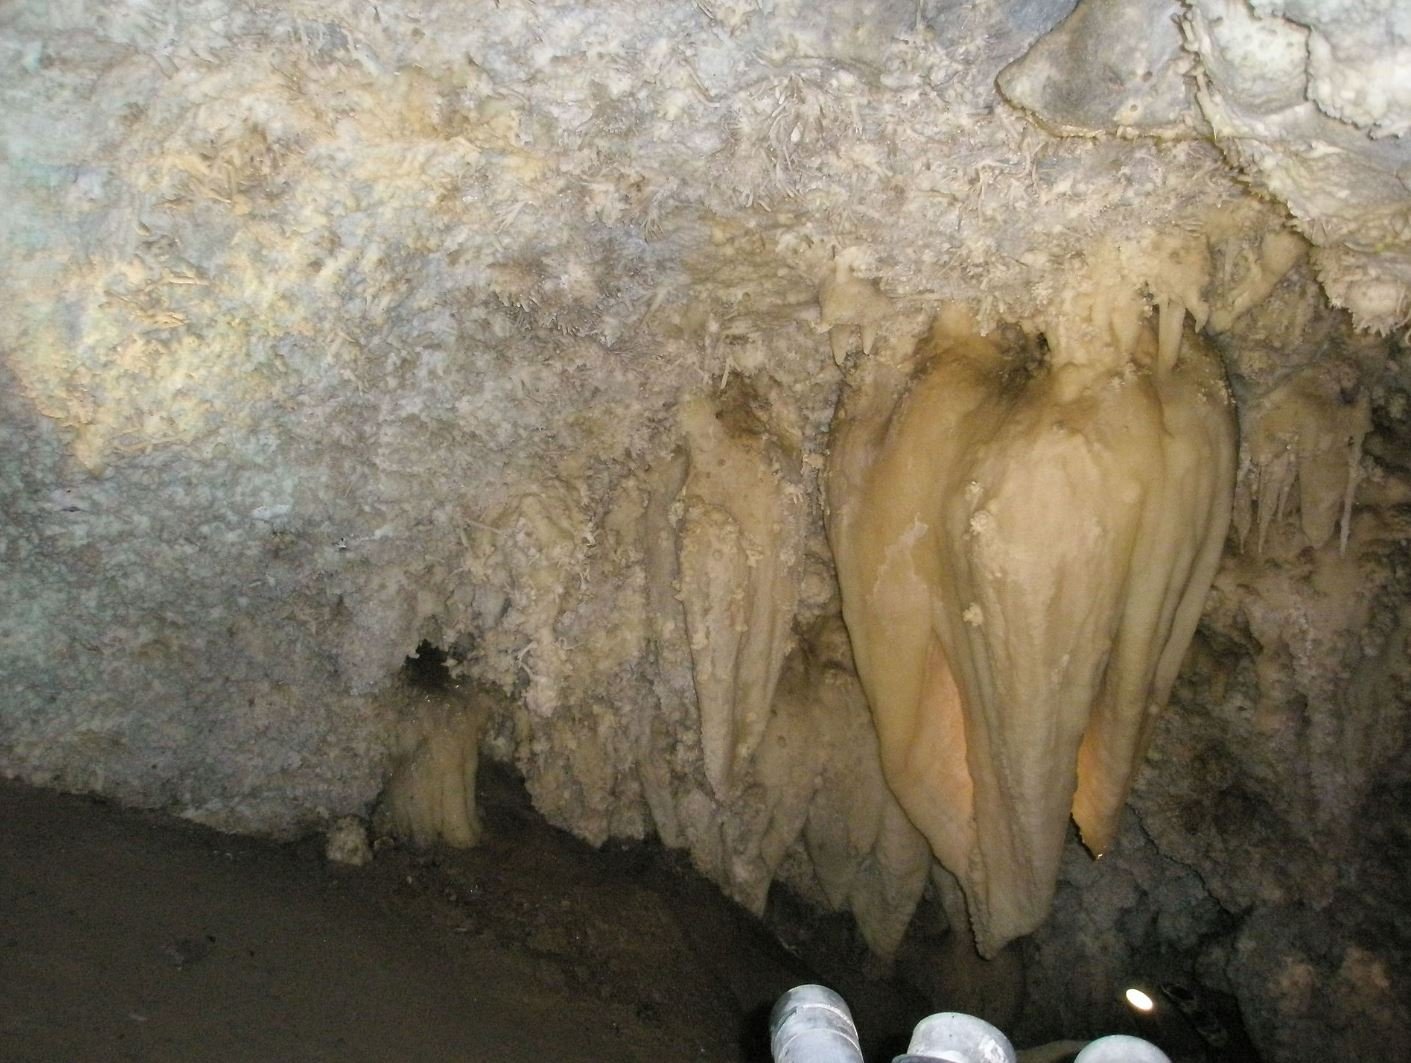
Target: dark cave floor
132	936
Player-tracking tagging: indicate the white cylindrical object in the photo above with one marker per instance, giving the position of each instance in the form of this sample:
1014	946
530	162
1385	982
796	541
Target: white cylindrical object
955	1038
811	1024
1119	1048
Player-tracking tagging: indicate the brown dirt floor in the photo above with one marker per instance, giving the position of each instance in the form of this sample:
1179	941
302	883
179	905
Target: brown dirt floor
131	936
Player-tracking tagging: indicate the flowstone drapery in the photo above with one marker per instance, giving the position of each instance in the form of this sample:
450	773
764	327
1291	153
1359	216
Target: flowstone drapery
1024	538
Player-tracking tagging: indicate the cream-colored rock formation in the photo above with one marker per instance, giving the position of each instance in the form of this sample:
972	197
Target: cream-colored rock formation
1024	540
429	798
520	330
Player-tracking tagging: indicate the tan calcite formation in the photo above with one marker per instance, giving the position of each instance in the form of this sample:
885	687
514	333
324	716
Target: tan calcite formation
739	540
865	854
430	797
761	759
1303	441
1024	540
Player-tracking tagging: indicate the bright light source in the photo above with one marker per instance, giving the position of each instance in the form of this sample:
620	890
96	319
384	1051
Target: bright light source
1139	1000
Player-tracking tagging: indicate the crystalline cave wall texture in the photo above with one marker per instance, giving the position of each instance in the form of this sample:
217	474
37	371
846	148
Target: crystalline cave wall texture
519	329
1310	99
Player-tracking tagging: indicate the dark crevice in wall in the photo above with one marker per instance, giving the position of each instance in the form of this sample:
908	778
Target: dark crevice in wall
428	669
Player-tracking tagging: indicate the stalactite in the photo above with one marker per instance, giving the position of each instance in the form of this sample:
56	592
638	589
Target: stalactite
1024	540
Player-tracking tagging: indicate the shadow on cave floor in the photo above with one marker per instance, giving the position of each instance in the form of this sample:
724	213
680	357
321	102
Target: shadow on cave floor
132	936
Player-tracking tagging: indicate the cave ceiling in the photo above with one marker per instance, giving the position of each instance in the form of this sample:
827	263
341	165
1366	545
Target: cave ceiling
531	333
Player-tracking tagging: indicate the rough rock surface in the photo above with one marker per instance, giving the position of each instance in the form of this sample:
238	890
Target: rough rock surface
1311	99
338	328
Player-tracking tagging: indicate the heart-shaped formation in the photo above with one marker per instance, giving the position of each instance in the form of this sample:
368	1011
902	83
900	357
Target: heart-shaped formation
1024	540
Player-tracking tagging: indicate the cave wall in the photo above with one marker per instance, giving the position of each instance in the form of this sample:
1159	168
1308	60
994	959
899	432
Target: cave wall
1310	100
520	329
